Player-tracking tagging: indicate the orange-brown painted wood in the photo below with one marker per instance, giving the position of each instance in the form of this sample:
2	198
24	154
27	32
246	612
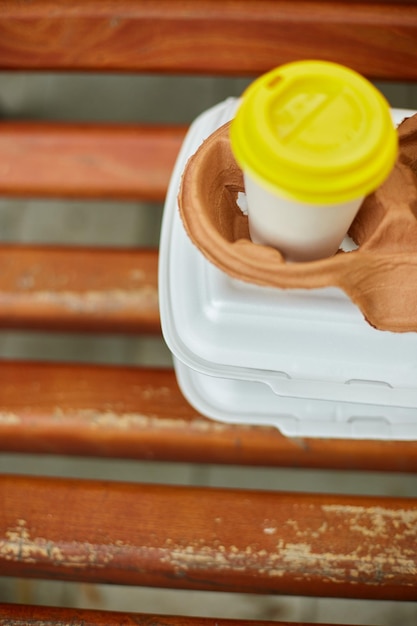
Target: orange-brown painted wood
17	615
207	538
140	413
87	161
231	37
79	289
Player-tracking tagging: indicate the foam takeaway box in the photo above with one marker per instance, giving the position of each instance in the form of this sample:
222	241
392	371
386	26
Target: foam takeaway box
256	340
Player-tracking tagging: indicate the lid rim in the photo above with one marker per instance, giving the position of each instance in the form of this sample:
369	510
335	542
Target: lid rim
322	195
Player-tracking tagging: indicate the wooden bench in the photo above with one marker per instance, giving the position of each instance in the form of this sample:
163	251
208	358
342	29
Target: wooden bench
192	538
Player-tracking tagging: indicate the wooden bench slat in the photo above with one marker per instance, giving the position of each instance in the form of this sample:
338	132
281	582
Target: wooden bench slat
140	413
87	161
182	537
208	36
57	616
79	289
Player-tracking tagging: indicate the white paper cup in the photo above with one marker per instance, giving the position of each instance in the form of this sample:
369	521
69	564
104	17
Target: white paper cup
300	231
313	139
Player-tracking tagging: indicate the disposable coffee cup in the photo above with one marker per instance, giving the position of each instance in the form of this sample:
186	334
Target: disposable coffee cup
313	138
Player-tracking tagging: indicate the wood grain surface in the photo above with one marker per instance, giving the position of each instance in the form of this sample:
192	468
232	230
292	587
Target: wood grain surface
79	289
231	37
126	162
140	413
208	538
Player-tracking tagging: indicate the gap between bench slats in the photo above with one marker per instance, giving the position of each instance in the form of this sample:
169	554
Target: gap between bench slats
209	539
79	289
140	413
208	36
17	615
87	161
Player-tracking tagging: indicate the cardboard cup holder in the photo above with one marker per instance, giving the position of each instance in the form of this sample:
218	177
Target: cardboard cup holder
379	276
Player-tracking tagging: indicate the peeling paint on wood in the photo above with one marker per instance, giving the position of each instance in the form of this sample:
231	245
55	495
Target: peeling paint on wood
295	559
18	545
309	549
154	534
7	418
129	421
374	522
105	300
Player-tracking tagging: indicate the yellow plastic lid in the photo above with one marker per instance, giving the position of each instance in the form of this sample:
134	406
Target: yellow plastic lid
315	131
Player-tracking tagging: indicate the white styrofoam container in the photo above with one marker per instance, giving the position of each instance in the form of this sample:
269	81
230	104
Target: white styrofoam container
303	360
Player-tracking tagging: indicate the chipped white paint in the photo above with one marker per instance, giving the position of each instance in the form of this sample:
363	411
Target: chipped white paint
374	557
307	556
269	527
314	534
128	421
376	521
19	546
295	559
89	301
9	419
